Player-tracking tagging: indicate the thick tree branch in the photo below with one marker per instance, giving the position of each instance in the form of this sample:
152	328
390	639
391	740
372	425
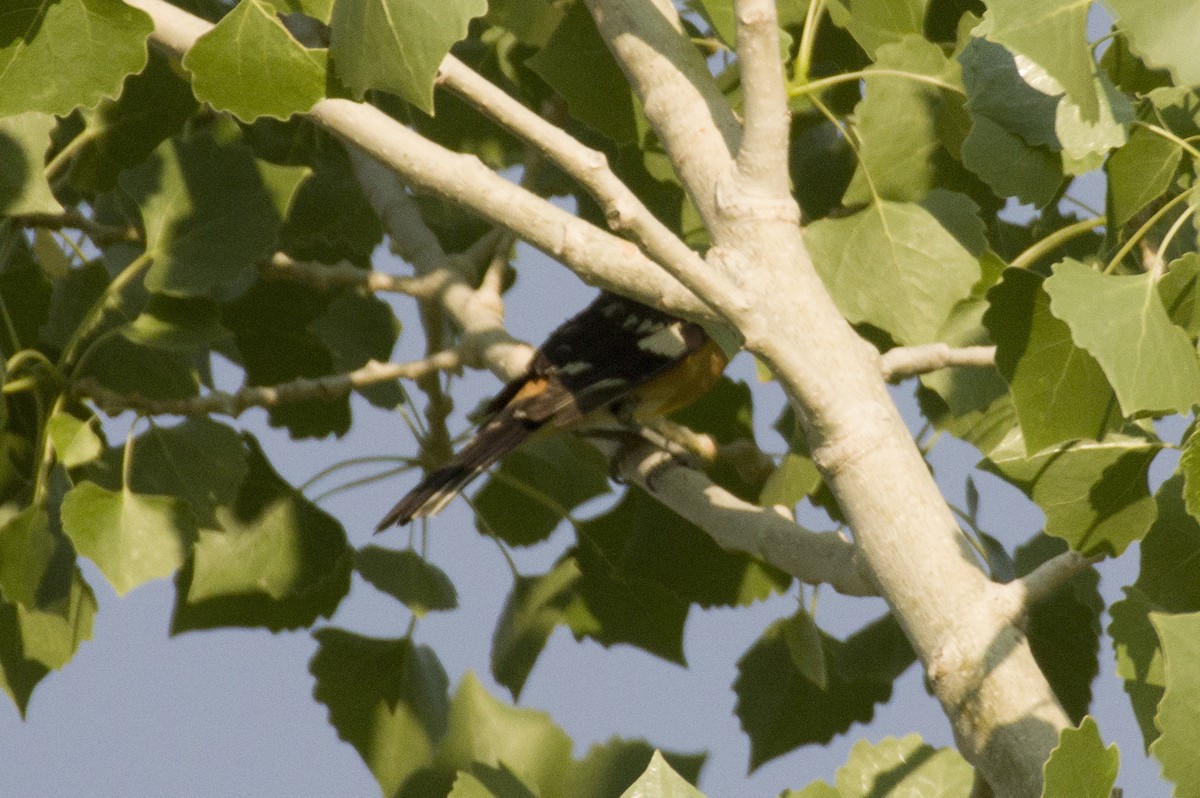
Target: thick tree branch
911	361
333	386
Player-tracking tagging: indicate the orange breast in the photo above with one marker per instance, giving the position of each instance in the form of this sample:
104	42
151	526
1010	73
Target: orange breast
681	385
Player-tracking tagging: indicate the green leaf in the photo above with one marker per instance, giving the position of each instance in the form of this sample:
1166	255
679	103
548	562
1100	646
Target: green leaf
874	23
1064	628
612	766
24	139
277	560
1080	766
578	65
523	741
211	212
537	486
72	297
1160	31
133	538
902	122
46	609
903	767
88	46
535	606
615	606
1179	290
816	789
1059	390
387	698
1139	659
967	390
1179	711
1121	321
1086	143
119	134
803	640
76	440
780	708
1009	166
251	66
418	584
1139	173
893	266
997	90
467	786
646	540
1168	580
135	369
397	45
201	462
1013	141
795	477
1093	493
1052	34
271	326
660	781
359	327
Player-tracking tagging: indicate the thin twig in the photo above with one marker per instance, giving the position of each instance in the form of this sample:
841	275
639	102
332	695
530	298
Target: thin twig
326	276
100	234
331	387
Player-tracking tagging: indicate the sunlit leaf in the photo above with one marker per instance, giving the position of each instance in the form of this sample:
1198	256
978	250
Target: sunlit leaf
1179	712
397	45
907	766
660	781
1121	322
251	66
1080	765
525	742
133	538
1053	34
88	46
893	266
1160	31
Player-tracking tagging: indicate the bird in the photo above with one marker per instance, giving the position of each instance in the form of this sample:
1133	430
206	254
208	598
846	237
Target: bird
616	356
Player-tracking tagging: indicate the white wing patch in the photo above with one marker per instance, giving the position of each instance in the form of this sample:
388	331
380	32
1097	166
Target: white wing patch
667	342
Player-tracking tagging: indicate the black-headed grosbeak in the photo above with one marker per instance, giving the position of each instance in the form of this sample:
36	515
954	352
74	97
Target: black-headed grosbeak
617	355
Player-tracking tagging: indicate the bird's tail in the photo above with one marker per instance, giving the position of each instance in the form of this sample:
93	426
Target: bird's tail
438	488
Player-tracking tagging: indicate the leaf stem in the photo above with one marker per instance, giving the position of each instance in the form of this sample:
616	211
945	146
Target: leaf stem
808	38
1141	231
1055	240
1171	137
1159	256
811	87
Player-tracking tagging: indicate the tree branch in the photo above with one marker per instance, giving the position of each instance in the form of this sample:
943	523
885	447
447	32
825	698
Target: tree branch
1040	583
762	158
679	95
100	234
911	361
622	208
736	525
327	276
333	386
